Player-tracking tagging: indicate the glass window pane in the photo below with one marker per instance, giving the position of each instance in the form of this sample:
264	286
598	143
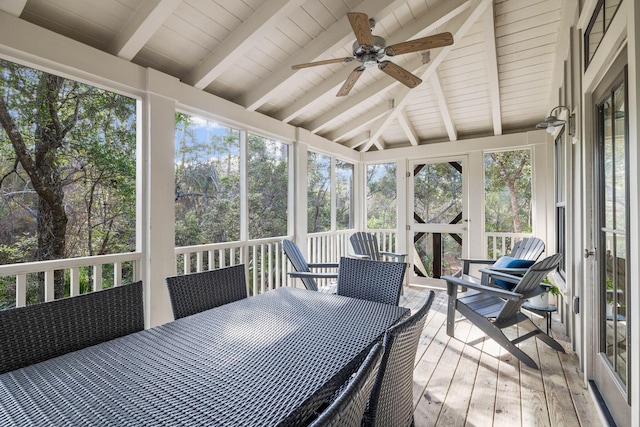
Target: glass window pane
438	193
595	34
268	187
507	183
618	116
318	193
207	174
610	9
608	165
344	194
381	196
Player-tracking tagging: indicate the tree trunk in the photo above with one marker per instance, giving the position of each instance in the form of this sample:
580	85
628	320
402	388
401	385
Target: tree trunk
42	168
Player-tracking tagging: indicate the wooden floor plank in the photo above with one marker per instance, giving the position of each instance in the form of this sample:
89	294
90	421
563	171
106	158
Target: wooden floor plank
470	380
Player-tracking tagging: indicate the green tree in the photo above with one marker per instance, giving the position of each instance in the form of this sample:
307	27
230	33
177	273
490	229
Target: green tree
318	193
68	164
381	196
268	187
508	191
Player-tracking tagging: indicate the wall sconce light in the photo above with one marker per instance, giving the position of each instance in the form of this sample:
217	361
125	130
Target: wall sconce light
552	122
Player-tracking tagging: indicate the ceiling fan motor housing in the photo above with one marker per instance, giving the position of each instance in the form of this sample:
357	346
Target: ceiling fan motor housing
369	55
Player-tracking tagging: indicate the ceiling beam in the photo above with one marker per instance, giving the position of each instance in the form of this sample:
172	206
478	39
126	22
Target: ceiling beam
488	23
426	24
354	126
359	140
405	124
240	41
13	7
331	40
444	107
458	29
142	25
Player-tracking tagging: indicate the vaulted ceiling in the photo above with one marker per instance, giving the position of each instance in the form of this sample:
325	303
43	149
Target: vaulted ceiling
497	77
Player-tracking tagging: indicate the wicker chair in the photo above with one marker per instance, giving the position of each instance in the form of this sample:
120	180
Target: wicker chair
377	281
196	292
365	246
39	332
391	400
303	269
347	409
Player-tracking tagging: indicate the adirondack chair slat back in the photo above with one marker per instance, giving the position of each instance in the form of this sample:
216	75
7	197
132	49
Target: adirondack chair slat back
531	280
292	252
365	244
530	249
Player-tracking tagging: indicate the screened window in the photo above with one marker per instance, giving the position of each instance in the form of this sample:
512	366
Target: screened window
561	220
207	189
318	193
381	196
72	190
344	195
507	199
267	185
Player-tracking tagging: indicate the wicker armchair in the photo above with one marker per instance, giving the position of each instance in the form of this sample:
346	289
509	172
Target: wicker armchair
347	409
39	332
377	281
391	401
196	292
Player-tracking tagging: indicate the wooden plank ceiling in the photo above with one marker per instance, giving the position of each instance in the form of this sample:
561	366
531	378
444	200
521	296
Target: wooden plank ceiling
496	77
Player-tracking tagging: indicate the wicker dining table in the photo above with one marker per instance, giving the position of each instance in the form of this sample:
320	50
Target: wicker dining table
271	359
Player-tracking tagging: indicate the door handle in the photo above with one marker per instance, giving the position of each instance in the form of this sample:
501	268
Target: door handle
588	253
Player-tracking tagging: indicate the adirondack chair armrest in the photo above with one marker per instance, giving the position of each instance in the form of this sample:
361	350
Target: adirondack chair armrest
502	276
466	263
301	274
394	255
324	265
477	261
454	282
511	271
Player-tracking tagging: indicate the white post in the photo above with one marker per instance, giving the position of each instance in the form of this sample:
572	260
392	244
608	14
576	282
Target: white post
156	217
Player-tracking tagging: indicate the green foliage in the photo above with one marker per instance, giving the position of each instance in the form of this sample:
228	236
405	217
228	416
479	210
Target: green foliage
318	193
72	192
268	187
381	196
207	176
508	191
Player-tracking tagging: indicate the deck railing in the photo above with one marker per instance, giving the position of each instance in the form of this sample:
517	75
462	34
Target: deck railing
267	266
499	244
79	273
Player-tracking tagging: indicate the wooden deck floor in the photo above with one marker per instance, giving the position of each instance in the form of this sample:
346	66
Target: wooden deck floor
470	380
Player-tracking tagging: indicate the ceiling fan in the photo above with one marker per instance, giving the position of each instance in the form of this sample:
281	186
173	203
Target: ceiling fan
369	50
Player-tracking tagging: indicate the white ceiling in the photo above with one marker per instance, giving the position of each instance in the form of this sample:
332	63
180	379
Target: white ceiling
496	78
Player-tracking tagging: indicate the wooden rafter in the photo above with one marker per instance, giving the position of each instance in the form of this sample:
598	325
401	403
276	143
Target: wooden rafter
240	41
488	23
458	29
142	26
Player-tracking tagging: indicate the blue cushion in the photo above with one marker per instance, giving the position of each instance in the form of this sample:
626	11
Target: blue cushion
509	262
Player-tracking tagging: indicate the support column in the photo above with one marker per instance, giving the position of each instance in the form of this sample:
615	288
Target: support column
156	216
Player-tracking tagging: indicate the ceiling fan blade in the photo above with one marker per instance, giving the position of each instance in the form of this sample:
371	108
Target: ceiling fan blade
326	61
430	42
351	80
400	74
360	24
